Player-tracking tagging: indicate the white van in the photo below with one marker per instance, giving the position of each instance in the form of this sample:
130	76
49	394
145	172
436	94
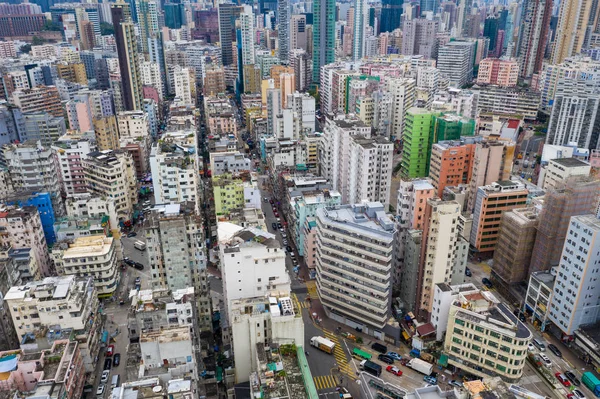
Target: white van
115	381
141	245
539	344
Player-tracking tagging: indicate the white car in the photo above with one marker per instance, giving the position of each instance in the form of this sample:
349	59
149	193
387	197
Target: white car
531	348
105	375
546	360
577	394
100	390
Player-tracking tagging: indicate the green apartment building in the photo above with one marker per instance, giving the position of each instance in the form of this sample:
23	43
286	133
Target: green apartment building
424	128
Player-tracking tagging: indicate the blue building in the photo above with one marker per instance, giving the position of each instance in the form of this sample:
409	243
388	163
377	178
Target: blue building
43	203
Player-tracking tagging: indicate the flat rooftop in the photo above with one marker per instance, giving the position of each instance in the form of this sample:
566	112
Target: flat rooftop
370	218
570	162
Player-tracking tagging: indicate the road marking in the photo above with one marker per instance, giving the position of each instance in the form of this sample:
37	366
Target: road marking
324	382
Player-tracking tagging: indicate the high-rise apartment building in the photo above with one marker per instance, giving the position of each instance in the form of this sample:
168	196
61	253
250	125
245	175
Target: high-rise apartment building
175	239
419	37
227	15
361	19
575	117
574	197
91	256
323	36
451	164
516	238
499	72
107	133
573	19
283	30
559	170
298	33
455	62
129	64
40	98
443	255
147	12
358	165
416	151
69	154
344	235
533	36
402	91
112	174
576	298
490	202
391	15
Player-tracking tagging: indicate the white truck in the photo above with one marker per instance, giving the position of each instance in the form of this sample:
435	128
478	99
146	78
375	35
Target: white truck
322	343
421	366
141	245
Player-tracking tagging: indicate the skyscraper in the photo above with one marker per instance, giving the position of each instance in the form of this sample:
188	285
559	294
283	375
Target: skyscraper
323	36
533	34
490	29
147	11
128	56
226	18
391	12
361	18
247	30
283	30
573	19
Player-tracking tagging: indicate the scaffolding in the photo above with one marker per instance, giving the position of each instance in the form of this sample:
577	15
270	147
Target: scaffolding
576	196
515	245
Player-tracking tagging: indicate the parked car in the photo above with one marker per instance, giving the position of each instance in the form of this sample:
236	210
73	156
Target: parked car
545	360
105	375
283	235
138	280
128	261
577	394
276	214
468	272
455	383
394	370
274	225
279	226
110	350
100	390
555	350
385	359
531	348
430	380
285	242
108	364
562	379
486	281
117	359
132	234
138	266
288	248
394	355
271	202
573	378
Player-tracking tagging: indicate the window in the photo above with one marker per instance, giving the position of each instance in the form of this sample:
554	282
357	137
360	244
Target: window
460	322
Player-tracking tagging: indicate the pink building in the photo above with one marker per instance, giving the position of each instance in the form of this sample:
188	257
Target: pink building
498	72
79	114
59	366
310	248
151	93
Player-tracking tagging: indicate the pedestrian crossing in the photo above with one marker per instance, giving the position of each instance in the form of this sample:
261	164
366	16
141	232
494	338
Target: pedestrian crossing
324	382
339	354
298	303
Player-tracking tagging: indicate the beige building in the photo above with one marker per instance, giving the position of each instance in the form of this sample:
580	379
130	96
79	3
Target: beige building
498	72
107	133
559	170
573	20
483	337
91	256
112	174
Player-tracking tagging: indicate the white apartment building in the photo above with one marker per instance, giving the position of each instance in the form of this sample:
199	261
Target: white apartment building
174	174
558	170
185	82
177	253
403	95
483	337
68	302
112	174
354	264
358	165
443	297
248	36
152	77
45	51
264	320
273	96
539	297
70	154
252	263
22	228
33	167
455	62
91	256
445	255
576	298
229	162
303	104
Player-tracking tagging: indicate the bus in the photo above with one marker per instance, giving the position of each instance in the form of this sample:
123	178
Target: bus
357	353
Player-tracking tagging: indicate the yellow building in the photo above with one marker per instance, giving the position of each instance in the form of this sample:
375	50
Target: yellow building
107	133
74	72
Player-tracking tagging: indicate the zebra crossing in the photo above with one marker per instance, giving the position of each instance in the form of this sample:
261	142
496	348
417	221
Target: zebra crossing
339	354
298	303
324	382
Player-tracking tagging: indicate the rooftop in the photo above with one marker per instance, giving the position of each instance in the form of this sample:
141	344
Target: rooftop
232	237
88	245
370	218
570	162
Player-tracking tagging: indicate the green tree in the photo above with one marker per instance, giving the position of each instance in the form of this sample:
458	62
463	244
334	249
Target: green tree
106	29
26	48
36	41
51	26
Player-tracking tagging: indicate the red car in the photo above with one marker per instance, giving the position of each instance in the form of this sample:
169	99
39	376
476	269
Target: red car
563	380
110	350
276	214
394	370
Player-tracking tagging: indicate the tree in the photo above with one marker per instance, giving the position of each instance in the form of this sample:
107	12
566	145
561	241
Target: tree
36	41
25	49
106	29
51	26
